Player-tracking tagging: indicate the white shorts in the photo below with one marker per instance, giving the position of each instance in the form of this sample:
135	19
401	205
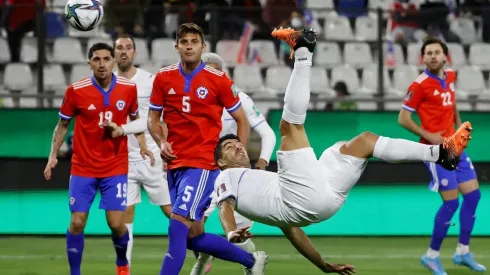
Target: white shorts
240	220
153	179
316	189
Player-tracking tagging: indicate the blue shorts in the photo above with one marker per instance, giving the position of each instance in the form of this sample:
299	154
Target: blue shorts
113	191
190	191
444	180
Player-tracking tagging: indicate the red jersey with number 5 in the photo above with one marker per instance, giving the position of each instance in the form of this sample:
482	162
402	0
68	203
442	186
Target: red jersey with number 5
95	152
433	99
193	105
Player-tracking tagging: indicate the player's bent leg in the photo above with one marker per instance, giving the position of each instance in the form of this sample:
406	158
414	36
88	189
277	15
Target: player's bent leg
82	191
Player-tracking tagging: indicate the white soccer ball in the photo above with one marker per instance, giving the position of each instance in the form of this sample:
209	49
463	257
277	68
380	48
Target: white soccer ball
84	15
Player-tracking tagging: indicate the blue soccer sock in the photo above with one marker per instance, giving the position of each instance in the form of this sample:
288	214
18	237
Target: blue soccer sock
74	250
221	248
121	247
467	215
177	248
442	222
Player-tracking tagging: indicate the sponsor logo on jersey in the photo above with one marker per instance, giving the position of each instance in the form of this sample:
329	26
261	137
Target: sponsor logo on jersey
91	107
120	104
202	92
222	189
171	91
183	207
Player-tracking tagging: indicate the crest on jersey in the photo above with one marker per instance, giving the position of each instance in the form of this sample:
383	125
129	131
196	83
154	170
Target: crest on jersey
451	86
408	96
120	104
234	90
221	189
202	92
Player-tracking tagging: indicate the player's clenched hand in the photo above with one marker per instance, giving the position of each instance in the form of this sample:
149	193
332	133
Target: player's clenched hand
344	269
166	151
51	164
434	138
144	152
239	235
116	131
261	164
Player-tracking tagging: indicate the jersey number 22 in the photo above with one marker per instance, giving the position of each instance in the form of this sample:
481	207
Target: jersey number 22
446	99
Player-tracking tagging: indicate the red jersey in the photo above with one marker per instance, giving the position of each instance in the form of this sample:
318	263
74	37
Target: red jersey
433	99
193	105
95	153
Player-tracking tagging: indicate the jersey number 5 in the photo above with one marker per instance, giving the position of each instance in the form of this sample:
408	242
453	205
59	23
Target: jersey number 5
103	116
446	99
186	105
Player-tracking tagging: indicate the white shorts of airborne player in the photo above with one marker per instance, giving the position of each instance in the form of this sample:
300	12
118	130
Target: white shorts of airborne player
152	178
240	220
314	190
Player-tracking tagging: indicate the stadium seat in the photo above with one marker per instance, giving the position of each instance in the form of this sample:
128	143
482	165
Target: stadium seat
398	56
383	4
413	55
370	80
54	77
150	67
68	50
57	102
319	80
483	106
7	102
28	102
78	72
94	40
163	51
346	74
465	29
327	55
366	28
470	80
266	51
276	78
28	50
338	29
4	51
480	55
320	8
17	77
142	54
248	79
228	50
358	55
403	77
457	56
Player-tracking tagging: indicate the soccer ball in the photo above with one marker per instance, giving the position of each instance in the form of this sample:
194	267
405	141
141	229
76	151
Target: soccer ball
84	15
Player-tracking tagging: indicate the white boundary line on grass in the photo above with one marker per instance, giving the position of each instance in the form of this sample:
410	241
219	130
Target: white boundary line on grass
273	257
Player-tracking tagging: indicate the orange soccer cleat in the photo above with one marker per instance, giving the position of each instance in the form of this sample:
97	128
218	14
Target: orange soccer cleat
296	39
453	146
123	270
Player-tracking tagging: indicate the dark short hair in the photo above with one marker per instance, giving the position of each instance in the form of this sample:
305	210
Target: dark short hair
434	40
98	47
189	28
125	35
219	149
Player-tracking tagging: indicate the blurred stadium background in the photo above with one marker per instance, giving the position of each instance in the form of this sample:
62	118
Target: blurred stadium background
367	56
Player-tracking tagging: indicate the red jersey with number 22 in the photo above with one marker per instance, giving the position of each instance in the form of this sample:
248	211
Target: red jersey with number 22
433	99
95	153
192	106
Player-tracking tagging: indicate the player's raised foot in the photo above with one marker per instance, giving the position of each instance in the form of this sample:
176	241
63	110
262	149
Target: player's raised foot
122	270
453	146
433	264
296	39
261	260
202	265
468	261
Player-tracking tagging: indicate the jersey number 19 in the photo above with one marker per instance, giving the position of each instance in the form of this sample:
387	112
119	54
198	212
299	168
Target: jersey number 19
105	116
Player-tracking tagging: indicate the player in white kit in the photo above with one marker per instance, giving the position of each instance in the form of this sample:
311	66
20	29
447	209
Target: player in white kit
268	141
142	173
307	190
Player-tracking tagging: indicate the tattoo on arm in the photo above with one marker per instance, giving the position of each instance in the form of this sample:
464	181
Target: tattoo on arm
59	134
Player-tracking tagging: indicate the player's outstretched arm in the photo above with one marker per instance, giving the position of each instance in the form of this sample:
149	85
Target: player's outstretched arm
59	135
227	217
302	243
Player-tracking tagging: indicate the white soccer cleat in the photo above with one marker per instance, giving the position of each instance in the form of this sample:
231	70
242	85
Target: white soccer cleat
261	260
200	267
248	246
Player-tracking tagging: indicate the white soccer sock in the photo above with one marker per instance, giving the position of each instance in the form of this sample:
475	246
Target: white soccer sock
297	96
130	243
432	253
462	249
400	150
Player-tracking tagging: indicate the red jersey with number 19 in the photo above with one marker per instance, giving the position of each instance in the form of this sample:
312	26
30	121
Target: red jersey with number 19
95	153
193	105
433	99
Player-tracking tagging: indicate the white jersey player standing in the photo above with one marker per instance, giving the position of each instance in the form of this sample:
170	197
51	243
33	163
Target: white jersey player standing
268	141
307	190
142	173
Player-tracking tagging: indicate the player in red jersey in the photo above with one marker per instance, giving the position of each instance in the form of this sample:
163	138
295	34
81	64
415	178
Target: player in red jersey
432	97
193	96
99	161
